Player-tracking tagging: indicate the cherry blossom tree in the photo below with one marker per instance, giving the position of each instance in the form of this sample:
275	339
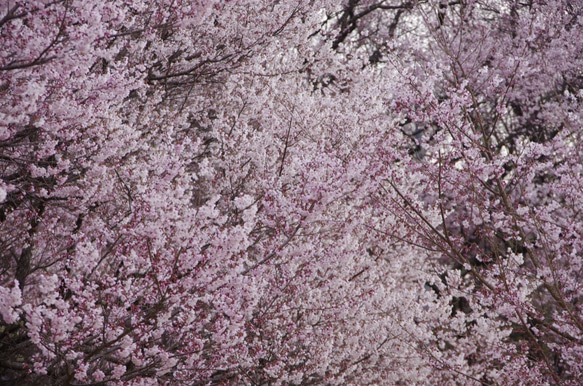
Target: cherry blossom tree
490	108
290	192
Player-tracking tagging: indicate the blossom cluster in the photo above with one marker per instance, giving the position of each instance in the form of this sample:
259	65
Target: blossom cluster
323	192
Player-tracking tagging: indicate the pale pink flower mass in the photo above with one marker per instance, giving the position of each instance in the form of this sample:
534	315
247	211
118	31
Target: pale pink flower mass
286	192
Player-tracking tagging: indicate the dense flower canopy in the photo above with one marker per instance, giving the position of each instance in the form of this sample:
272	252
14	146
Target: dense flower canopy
288	192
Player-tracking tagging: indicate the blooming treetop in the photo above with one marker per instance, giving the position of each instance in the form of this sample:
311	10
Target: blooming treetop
358	192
